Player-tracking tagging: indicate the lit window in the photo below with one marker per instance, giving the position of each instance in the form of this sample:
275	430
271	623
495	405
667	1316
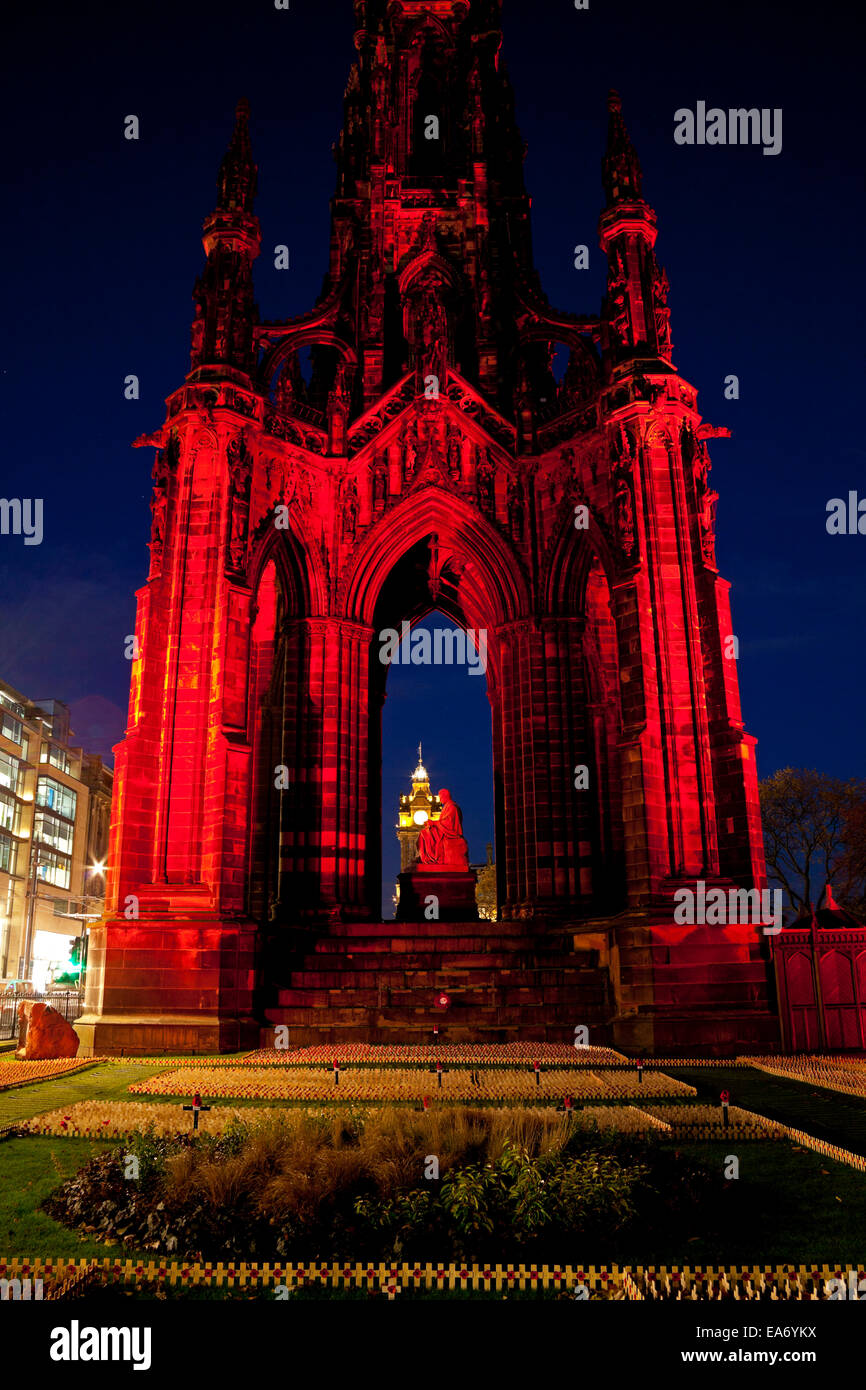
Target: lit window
55	755
52	868
62	800
10	812
8	854
53	831
10	772
11	728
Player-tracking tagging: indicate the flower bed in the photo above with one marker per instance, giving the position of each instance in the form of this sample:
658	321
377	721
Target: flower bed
112	1119
94	1119
474	1054
709	1120
18	1073
191	1060
370	1083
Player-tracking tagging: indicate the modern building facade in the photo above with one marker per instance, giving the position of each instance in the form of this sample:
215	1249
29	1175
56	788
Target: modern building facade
54	818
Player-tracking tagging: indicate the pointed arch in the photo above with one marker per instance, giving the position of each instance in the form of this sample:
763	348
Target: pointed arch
297	564
570	558
315	335
501	580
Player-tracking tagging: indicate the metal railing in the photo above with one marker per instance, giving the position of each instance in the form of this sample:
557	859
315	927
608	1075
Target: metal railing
68	1002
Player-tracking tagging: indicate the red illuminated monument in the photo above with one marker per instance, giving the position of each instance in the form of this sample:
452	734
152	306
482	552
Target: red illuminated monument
536	475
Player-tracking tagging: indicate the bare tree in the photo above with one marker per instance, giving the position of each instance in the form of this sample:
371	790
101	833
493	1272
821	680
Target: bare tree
814	834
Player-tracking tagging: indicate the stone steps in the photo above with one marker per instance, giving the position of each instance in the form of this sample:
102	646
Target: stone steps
440	931
437	978
505	995
368	981
701	995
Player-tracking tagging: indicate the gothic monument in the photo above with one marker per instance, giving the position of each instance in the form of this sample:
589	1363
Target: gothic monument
536	475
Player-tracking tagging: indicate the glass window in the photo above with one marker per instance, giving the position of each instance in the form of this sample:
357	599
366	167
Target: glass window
10	772
51	830
56	797
10	812
8	703
11	728
52	867
54	754
8	854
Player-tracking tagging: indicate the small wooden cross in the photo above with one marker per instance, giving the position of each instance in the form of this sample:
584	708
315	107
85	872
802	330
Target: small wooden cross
196	1109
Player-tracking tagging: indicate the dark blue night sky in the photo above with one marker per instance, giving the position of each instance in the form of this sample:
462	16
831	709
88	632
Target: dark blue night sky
764	255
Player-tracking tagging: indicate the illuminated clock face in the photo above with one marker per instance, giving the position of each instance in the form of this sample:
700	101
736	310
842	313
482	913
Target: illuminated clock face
420	817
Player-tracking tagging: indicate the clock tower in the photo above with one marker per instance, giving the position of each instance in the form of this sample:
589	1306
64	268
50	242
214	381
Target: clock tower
416	808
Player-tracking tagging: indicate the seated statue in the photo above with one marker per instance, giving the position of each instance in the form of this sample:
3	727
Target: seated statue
441	843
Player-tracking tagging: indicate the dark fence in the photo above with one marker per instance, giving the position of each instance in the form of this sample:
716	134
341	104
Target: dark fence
68	1002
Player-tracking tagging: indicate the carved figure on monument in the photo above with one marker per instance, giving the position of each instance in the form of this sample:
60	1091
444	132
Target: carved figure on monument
240	470
708	526
411	448
661	313
486	485
238	539
441	842
350	514
515	509
433	334
453	451
624	511
380	487
158	506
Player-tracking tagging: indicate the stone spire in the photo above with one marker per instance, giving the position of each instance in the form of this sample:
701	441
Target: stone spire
620	168
222	332
236	182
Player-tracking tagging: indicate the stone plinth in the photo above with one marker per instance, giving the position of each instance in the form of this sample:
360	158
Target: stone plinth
454	890
169	984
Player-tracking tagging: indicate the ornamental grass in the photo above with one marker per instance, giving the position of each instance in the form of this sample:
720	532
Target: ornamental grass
444	1183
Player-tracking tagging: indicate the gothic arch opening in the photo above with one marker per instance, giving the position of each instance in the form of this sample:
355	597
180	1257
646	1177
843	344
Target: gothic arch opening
281	731
441	632
435	717
601	734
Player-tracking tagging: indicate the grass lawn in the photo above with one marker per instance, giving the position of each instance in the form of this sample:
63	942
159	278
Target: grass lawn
29	1169
97	1083
789	1204
829	1115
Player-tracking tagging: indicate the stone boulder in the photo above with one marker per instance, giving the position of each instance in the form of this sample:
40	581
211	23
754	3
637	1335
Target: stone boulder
43	1033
